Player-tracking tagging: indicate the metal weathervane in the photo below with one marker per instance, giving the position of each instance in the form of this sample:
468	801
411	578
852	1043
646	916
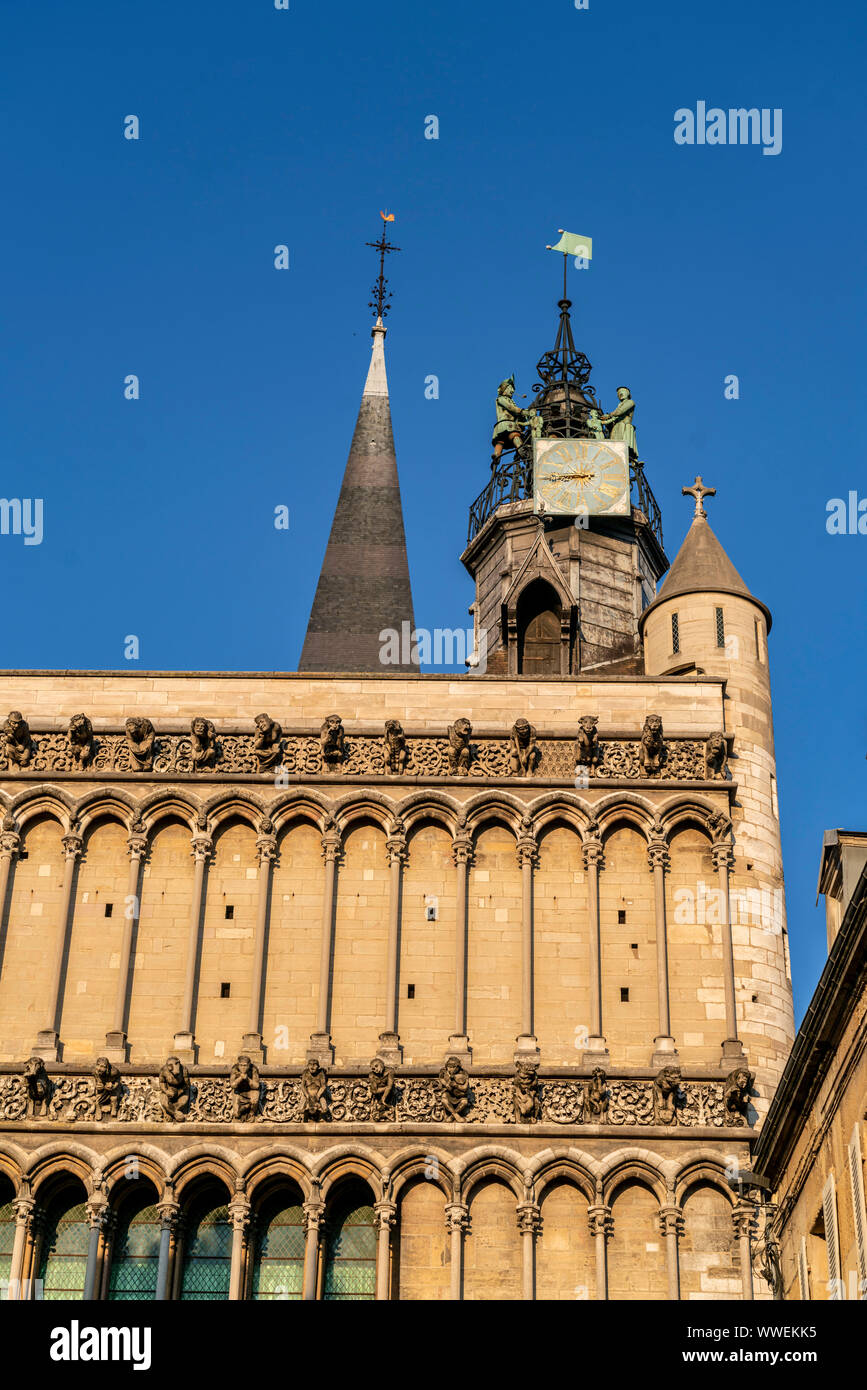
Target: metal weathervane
572	245
382	296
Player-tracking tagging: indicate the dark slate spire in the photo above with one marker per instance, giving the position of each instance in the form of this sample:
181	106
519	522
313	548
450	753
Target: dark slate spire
364	584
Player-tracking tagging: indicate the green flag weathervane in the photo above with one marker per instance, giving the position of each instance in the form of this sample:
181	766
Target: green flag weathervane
572	245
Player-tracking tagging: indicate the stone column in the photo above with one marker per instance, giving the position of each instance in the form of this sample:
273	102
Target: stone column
23	1207
10	843
664	1049
601	1226
385	1213
239	1213
251	1045
116	1039
671	1227
743	1219
314	1213
184	1045
390	1049
529	1220
596	1051
527	852
462	853
457	1218
169	1212
48	1040
32	1251
97	1212
723	862
320	1041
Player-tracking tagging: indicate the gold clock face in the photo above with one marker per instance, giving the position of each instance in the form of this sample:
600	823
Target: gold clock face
573	477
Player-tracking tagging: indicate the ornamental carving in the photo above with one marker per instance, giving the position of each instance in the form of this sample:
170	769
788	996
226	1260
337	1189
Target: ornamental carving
588	754
716	756
394	748
332	742
736	1094
174	1084
267	743
245	1087
460	752
381	1083
203	744
202	751
244	1097
523	750
454	1087
79	739
526	1094
652	747
16	740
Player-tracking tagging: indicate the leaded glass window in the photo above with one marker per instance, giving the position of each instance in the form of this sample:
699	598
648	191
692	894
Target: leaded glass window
64	1250
135	1252
207	1251
7	1239
278	1268
350	1264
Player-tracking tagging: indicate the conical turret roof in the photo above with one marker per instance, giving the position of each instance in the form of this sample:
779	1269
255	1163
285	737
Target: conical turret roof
702	566
364	586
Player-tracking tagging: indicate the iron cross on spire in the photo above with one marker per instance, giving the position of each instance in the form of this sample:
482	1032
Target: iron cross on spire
381	295
699	492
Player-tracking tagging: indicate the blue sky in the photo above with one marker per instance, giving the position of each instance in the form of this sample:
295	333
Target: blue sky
261	127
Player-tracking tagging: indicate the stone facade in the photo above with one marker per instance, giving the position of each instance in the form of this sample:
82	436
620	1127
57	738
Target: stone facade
342	911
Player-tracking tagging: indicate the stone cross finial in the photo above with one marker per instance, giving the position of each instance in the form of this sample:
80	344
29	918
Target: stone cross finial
699	492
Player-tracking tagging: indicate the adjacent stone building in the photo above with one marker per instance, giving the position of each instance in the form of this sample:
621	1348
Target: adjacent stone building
812	1148
503	955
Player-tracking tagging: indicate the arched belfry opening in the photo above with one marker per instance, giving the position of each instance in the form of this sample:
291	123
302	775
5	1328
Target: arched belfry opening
539	615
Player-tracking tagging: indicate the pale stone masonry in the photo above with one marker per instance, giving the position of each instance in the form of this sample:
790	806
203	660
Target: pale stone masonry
610	927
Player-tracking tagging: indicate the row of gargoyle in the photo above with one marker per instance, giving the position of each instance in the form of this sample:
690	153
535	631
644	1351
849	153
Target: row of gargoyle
268	745
453	1086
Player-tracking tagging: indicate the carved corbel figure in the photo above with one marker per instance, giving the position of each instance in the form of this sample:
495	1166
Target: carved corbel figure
666	1096
38	1088
174	1084
203	743
526	1093
17	743
396	752
652	746
79	740
106	1080
588	753
523	749
716	756
381	1082
596	1098
460	753
245	1085
736	1094
454	1087
140	737
314	1092
719	825
267	742
332	741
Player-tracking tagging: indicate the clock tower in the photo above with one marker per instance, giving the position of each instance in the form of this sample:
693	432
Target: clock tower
565	541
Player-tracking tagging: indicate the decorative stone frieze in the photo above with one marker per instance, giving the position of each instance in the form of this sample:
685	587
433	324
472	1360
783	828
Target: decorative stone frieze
73	1097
